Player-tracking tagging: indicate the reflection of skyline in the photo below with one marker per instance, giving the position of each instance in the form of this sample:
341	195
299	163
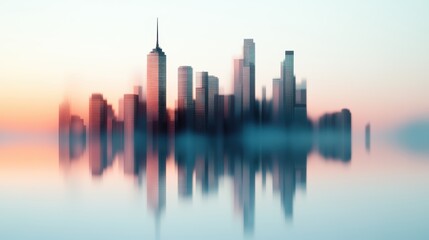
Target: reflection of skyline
209	160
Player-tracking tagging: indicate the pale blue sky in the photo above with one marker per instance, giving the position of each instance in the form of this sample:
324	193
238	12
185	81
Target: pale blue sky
369	56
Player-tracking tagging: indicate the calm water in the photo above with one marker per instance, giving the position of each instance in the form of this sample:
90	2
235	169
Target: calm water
198	189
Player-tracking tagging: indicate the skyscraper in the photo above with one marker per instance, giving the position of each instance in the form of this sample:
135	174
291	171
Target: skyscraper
64	122
97	133
288	77
156	88
277	100
141	110
130	126
249	52
200	121
97	115
264	113
201	101
224	113
300	112
64	132
185	98
238	88
212	92
301	92
248	79
184	87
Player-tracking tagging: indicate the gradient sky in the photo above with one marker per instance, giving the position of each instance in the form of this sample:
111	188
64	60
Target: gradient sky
369	56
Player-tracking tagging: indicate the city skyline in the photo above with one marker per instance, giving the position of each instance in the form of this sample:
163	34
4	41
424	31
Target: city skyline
142	115
80	61
210	112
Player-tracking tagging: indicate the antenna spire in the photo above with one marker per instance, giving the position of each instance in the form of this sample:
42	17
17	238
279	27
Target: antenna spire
157	44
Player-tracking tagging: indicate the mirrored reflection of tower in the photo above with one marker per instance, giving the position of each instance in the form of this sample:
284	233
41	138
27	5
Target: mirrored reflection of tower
97	135
156	175
288	78
156	89
289	171
206	170
184	151
244	189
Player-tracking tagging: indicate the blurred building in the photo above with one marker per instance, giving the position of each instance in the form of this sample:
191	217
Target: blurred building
185	108
201	101
238	88
248	80
141	110
131	103
300	110
225	113
72	135
335	135
156	88
97	135
278	98
288	78
213	90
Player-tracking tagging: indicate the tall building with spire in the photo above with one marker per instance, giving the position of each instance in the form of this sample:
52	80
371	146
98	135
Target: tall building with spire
156	88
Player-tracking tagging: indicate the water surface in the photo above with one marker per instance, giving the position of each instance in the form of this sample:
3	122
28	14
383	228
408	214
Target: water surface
199	189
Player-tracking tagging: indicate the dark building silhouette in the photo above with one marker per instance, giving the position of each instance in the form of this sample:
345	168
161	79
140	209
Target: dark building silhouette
225	113
334	136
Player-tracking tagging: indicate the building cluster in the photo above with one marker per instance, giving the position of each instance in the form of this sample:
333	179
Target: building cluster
208	112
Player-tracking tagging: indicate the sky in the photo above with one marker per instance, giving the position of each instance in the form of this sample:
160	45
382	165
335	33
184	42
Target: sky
368	56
